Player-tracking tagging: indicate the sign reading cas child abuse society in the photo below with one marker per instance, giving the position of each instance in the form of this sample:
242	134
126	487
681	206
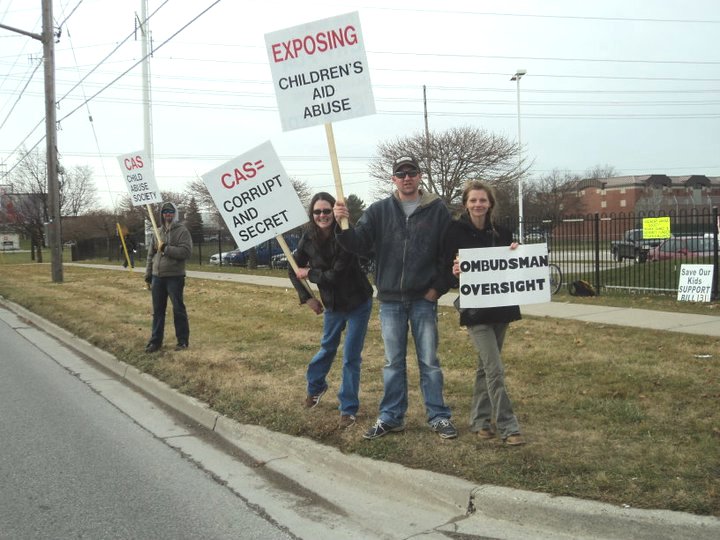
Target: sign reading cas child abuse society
140	179
255	197
320	72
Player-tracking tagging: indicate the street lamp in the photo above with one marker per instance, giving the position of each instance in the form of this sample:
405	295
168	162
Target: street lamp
521	226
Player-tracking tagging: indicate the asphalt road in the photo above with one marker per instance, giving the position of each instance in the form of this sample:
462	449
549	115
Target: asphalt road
74	466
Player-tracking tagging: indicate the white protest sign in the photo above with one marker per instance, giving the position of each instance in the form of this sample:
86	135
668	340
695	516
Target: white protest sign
320	72
255	197
140	178
499	276
695	283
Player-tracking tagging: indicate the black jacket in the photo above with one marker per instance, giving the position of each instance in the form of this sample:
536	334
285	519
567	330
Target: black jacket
462	234
407	250
337	273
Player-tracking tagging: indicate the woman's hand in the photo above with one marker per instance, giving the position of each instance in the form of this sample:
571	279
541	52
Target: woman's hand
315	305
456	266
302	273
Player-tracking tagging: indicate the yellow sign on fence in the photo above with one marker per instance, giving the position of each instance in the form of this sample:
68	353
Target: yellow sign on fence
656	227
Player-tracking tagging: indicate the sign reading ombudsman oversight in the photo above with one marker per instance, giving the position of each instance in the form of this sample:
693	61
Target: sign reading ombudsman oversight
320	72
140	179
255	197
500	276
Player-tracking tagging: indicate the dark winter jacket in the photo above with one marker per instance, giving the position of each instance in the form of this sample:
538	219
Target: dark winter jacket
407	250
178	248
462	234
337	273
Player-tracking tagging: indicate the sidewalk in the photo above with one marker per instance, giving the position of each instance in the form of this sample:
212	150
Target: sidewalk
706	325
385	500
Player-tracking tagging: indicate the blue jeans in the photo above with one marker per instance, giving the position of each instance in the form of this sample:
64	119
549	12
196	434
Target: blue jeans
334	323
421	317
162	288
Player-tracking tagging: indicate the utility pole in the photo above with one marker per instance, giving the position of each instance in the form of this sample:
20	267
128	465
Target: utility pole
48	40
54	231
427	141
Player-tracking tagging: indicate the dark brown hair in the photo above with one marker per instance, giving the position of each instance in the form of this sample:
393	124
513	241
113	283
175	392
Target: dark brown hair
312	228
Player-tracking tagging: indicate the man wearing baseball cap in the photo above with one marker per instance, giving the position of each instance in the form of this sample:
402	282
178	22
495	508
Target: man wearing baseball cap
405	232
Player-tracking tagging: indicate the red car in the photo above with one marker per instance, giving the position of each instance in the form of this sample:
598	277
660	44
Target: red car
682	247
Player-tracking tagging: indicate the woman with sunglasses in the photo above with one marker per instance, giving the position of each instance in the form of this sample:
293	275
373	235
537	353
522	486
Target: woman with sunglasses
346	296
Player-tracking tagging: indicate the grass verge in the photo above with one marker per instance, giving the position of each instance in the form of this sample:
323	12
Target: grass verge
613	414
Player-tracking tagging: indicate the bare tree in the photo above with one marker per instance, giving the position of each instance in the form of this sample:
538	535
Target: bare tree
553	195
302	188
450	159
600	171
78	194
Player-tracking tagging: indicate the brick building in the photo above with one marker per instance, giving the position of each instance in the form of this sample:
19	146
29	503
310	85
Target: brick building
647	194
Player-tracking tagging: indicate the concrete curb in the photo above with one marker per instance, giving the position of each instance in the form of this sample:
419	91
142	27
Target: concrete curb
363	487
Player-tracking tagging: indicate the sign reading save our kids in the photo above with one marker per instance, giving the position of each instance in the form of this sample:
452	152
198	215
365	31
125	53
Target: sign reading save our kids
140	179
320	72
500	276
255	197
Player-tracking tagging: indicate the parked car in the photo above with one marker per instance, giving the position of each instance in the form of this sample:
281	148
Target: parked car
633	246
535	235
235	258
279	261
215	259
682	247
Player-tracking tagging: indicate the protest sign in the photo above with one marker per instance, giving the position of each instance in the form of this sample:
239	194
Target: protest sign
320	72
658	227
695	283
140	178
499	276
255	197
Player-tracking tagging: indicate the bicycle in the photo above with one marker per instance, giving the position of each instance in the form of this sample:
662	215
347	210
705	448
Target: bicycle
556	278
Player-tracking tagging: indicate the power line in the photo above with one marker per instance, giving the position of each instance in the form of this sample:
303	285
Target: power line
116	79
142	59
569	17
20	95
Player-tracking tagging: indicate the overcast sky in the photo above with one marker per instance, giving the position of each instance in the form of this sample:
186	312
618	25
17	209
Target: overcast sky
634	85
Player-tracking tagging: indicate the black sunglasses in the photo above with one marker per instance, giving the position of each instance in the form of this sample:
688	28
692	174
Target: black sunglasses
323	211
402	174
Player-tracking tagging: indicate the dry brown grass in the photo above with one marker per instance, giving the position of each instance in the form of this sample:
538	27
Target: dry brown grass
611	413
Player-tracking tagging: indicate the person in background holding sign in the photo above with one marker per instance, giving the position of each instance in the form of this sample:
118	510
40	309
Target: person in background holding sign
347	296
405	231
165	273
490	407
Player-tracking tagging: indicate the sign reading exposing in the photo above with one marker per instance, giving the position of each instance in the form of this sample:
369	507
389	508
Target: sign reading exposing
695	283
140	178
255	197
320	72
500	276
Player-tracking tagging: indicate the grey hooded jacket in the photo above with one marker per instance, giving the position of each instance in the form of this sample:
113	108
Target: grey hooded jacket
178	248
